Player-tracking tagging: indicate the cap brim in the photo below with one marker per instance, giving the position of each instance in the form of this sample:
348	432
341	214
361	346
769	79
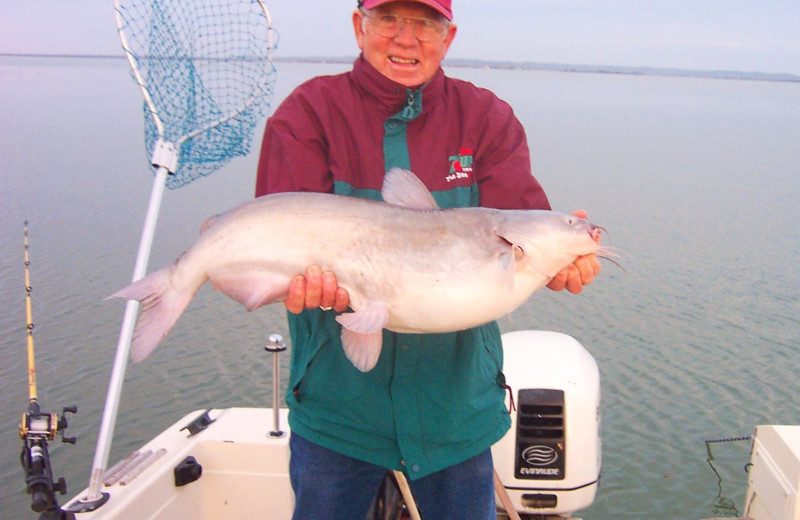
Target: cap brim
433	4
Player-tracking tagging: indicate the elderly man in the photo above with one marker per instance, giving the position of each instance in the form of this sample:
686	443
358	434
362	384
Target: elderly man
434	403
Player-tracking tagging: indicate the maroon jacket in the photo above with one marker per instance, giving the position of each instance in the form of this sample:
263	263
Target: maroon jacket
433	400
330	130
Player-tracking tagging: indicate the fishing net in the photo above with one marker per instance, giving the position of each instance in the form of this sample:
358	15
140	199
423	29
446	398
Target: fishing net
206	72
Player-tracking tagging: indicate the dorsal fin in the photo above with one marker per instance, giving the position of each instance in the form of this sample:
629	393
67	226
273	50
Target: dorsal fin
403	188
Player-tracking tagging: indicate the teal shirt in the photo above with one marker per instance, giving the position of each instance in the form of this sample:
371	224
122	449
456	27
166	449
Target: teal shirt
432	400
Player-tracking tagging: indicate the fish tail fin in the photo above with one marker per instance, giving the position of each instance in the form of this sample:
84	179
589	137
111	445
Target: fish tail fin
162	305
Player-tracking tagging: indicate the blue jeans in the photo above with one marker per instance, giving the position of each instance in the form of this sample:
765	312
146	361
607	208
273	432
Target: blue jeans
329	485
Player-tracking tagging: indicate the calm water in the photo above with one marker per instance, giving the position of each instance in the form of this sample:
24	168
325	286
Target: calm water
697	182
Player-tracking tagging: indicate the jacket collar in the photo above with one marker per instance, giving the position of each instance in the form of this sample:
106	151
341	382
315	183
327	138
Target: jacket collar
392	96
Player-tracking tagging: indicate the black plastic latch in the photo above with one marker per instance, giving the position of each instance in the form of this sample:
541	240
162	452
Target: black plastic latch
199	423
539	500
187	471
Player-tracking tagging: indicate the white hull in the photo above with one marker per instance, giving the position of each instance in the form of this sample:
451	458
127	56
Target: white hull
773	484
245	473
245	469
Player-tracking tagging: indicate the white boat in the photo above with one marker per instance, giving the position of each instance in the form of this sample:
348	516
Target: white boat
234	463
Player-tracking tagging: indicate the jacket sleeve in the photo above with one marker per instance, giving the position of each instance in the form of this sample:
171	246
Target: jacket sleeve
504	163
294	154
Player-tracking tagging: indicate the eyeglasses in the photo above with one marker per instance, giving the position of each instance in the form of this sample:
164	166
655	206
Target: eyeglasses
424	29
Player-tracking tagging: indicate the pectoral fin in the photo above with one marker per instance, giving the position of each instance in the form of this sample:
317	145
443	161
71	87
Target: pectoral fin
362	335
509	256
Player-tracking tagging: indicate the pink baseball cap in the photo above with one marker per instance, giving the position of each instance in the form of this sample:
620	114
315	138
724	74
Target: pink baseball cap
441	6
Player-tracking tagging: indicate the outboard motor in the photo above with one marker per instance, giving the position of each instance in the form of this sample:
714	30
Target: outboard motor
549	460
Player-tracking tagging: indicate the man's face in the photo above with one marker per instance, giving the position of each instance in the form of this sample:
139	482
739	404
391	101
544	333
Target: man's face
403	57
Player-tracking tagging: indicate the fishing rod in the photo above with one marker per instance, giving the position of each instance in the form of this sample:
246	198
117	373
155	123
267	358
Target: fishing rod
37	427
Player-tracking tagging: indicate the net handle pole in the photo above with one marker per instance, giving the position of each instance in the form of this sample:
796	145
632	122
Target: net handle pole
111	408
165	157
103	447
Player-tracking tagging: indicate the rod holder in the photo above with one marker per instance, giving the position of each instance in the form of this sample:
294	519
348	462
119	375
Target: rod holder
275	344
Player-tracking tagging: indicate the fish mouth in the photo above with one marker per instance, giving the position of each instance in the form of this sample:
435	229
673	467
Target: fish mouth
596	232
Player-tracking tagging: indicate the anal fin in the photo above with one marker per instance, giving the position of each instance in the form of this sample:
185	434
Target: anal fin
362	335
252	289
363	350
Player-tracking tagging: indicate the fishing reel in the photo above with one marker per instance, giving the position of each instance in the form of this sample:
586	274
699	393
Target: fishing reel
47	425
35	429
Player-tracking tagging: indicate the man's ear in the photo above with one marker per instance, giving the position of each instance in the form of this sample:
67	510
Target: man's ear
358	28
451	34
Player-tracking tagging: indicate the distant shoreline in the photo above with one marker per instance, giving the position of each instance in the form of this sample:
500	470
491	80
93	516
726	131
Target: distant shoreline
505	65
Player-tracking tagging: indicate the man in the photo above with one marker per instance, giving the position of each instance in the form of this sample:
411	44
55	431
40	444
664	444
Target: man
434	404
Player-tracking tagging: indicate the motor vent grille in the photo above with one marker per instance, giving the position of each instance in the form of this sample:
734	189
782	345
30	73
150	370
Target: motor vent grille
541	434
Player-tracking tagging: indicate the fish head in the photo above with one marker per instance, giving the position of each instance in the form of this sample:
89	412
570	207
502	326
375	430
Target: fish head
547	241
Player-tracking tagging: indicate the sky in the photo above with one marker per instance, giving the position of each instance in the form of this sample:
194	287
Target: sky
736	35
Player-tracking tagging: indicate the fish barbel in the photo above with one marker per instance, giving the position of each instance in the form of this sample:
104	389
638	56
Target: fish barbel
408	265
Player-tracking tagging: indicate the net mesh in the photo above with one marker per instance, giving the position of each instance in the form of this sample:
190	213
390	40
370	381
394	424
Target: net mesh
207	68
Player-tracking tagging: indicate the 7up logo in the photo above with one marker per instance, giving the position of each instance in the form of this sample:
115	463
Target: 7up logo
460	165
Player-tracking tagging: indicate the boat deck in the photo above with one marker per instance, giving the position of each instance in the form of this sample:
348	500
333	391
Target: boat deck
244	472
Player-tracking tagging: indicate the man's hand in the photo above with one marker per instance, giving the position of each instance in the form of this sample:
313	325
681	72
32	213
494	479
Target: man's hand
580	273
316	289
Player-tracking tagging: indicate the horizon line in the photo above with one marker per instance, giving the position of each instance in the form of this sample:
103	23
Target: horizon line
640	70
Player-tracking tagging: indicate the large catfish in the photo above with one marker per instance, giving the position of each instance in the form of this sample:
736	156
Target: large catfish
407	265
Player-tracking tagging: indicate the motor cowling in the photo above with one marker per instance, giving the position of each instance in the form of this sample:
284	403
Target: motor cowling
549	460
